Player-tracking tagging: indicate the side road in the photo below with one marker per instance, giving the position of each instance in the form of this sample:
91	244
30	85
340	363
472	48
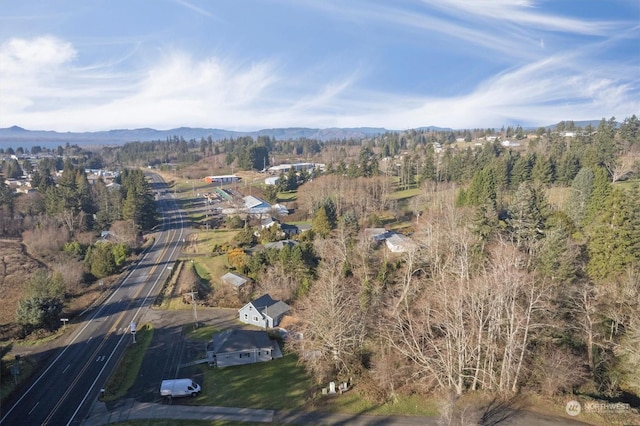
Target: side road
130	409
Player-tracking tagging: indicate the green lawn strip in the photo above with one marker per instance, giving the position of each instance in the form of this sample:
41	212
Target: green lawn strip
8	383
404	194
354	403
214	266
280	384
285	197
176	422
203	334
127	370
203	274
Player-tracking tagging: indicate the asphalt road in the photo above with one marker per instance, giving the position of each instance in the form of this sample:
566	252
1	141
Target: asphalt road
63	391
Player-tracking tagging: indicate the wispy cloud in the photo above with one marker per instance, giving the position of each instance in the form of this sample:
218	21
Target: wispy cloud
527	66
521	12
196	9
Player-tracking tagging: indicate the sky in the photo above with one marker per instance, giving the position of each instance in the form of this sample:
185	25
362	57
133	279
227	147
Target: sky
245	65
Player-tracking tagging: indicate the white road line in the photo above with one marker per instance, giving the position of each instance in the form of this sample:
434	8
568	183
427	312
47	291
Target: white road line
34	407
66	368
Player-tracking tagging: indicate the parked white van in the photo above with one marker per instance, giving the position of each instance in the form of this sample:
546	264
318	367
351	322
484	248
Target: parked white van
179	387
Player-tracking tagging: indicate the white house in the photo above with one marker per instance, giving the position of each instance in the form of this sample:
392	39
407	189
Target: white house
398	243
238	347
263	312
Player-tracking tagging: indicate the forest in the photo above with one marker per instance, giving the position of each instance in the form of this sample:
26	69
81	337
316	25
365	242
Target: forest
525	275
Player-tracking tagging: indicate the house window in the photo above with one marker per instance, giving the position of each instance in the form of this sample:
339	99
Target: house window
245	355
246	316
255	318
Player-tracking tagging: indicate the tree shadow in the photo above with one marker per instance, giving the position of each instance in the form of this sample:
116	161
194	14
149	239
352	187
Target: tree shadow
502	409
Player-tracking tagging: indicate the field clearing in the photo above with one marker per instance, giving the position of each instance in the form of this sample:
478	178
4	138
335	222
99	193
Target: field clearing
404	194
278	384
15	266
557	196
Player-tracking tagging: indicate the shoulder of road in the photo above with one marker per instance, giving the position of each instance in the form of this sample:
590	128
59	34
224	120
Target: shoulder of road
130	409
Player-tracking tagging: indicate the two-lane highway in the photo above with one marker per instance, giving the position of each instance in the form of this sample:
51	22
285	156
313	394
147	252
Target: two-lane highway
63	392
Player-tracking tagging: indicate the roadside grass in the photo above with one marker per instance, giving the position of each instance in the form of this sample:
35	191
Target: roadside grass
177	422
48	338
176	303
280	384
208	239
126	372
26	368
353	402
201	334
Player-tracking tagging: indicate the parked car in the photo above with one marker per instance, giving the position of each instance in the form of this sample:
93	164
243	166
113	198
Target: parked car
179	387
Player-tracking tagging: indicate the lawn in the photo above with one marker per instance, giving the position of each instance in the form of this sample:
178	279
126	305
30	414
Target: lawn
404	194
353	402
202	334
285	197
176	422
280	384
125	375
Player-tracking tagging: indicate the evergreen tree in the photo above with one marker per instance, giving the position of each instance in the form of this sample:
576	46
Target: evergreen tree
568	167
557	260
101	259
482	189
321	224
614	238
527	216
581	189
521	171
428	169
542	171
599	195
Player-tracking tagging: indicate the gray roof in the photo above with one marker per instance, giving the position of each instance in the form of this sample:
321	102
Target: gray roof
234	279
276	310
240	340
378	234
280	244
273	308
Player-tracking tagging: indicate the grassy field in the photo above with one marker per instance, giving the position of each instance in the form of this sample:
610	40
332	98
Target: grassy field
201	334
176	422
280	384
25	369
125	375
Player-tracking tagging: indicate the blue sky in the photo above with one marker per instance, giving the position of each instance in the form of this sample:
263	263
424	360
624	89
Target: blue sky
247	64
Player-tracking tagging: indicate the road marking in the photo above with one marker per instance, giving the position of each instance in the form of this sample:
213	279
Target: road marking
65	370
34	407
100	358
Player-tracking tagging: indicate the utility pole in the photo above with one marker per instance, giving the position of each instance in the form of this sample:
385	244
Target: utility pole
195	309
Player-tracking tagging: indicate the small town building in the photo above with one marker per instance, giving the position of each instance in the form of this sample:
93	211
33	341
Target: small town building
239	347
263	312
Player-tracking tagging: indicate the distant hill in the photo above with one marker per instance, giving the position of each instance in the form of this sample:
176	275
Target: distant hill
17	136
582	124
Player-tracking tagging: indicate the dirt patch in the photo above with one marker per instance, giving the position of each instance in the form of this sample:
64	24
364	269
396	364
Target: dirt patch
191	244
15	266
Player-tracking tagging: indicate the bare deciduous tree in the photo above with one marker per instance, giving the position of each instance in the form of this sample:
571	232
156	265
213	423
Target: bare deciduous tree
332	321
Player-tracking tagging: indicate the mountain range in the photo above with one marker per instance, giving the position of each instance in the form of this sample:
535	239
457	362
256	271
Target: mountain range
16	136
